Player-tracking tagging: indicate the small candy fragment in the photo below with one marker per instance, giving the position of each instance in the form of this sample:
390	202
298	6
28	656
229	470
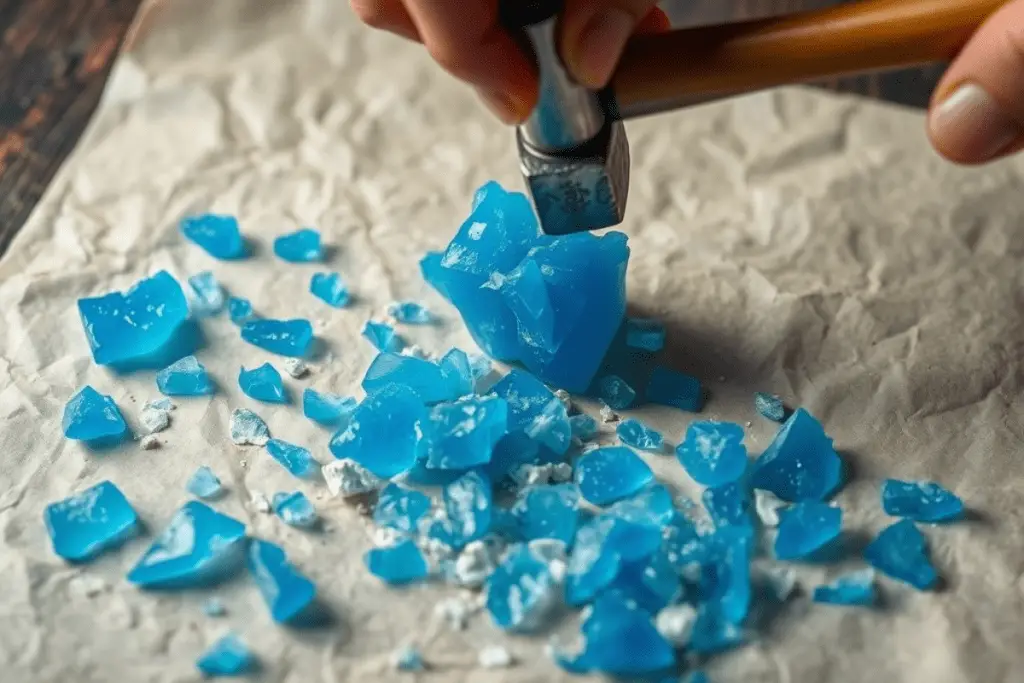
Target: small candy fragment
330	288
213	607
535	410
854	588
645	335
464	433
282	337
301	246
240	310
348	479
801	463
218	235
521	592
616	392
410	313
608	415
295	367
901	552
294	509
713	452
84	525
622	641
184	377
921	501
547	512
164	404
248	428
671	388
327	409
296	459
595	561
675	624
154	420
635	433
425	379
385	433
263	384
382	336
260	502
767	505
207	295
93	417
400	508
149	443
407	658
728	505
397	565
583	427
606	475
806	527
495	657
467	501
286	591
227	657
769	406
204	484
538	475
475	563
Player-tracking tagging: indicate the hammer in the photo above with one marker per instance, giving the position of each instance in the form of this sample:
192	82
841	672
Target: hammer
573	148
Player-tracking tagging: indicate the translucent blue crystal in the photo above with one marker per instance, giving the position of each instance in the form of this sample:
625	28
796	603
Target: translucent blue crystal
480	366
800	464
84	525
547	512
294	509
198	545
713	633
382	336
227	657
207	295
385	433
725	581
301	246
204	484
283	337
650	584
263	384
583	427
240	310
806	527
622	641
645	335
600	548
468	502
921	501
400	508
422	377
330	288
248	428
616	392
93	417
219	236
296	459
638	435
728	505
432	273
854	588
668	387
458	372
137	324
408	658
769	406
463	434
606	475
327	409
521	592
398	564
712	453
285	590
410	313
535	410
185	377
901	552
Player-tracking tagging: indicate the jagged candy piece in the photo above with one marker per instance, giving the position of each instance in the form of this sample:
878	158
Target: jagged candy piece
644	334
463	434
901	552
198	545
407	658
728	505
801	463
218	235
725	581
136	324
240	310
296	459
713	452
521	592
432	273
622	641
295	367
207	295
84	525
806	527
458	372
669	387
583	427
327	409
382	336
248	428
283	337
547	512
638	435
768	505
595	561
535	410
606	475
227	657
713	632
468	502
921	501
400	508
616	392
185	377
263	384
153	420
301	246
854	588
769	406
410	313
675	624
294	509
93	417
330	288
422	377
349	479
650	584
399	564
385	433
285	590
204	484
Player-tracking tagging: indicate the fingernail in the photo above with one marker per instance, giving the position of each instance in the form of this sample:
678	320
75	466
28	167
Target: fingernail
600	44
970	125
502	105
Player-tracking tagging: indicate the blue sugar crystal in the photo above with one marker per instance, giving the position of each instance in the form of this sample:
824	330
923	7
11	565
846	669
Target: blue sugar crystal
725	582
468	502
206	293
385	433
240	310
713	452
137	324
668	387
285	590
547	512
398	564
650	584
327	409
227	657
638	435
714	633
609	474
283	337
615	392
204	484
433	273
248	428
806	527
197	546
583	427
185	377
527	296
400	508
921	501
535	410
463	434
622	641
422	377
801	463
458	372
87	523
410	313
296	459
595	560
301	246
854	588
330	288
769	406
219	236
382	336
728	505
93	417
645	335
521	592
294	509
263	384
901	552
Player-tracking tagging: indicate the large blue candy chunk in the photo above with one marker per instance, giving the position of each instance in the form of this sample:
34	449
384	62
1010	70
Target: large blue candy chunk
330	288
615	392
547	512
382	336
425	379
400	508
240	310
729	505
207	294
296	459
463	434
199	545
87	523
921	501
301	246
901	552
136	324
535	410
468	502
327	409
458	372
606	475
398	564
185	377
263	384
669	387
801	463
713	452
385	432
645	335
854	588
769	406
636	434
286	591
806	527
283	337
295	510
521	592
93	417
218	235
410	313
227	657
622	641
583	427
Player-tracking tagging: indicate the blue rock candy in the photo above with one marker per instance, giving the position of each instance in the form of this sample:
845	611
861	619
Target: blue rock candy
583	427
330	288
801	463
240	310
198	545
638	435
901	552
547	512
606	475
185	377
204	484
87	523
422	377
263	384
854	588
921	501
136	324
526	294
480	366
769	406
385	433
650	584
713	452
713	633
725	583
219	236
677	389
468	502
521	592
432	272
595	561
398	564
93	417
227	657
296	459
645	335
463	434
285	590
616	392
294	509
458	372
535	410
283	337
327	409
410	313
622	641
301	246
400	508
806	527
206	293
728	505
382	336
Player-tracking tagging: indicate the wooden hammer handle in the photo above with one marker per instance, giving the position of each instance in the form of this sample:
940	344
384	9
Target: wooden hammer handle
871	35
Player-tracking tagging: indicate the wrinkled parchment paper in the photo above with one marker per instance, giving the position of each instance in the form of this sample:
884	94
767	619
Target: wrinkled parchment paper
794	242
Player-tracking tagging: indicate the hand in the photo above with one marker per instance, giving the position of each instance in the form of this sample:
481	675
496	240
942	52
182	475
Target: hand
464	37
977	112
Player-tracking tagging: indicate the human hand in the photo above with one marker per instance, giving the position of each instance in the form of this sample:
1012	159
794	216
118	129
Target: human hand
464	37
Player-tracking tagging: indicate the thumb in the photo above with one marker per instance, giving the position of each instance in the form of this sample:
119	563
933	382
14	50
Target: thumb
977	111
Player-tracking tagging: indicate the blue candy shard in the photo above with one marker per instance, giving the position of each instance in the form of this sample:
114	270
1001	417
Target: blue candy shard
606	475
204	484
713	452
296	459
458	372
547	512
432	272
463	434
921	501
410	313
84	525
422	377
283	337
901	552
854	588
240	310
801	463
382	336
729	505
197	546
668	387
645	335
397	565
649	584
301	246
615	392
594	562
769	406
185	377
330	288
137	324
725	582
327	409
263	384
400	508
248	428
408	658
385	433
806	527
207	295
294	509
93	417
583	427
219	236
285	590
526	294
638	435
227	657
521	592
468	502
535	410
480	366
714	633
622	641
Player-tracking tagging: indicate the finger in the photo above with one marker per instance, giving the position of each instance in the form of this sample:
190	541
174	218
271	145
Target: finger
656	21
386	15
594	33
977	111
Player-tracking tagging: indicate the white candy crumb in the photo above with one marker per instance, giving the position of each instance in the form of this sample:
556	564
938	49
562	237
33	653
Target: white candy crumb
162	403
416	352
149	442
248	429
675	624
474	564
385	537
295	367
455	612
154	420
768	505
260	502
347	478
436	552
495	657
563	396
532	475
561	473
608	415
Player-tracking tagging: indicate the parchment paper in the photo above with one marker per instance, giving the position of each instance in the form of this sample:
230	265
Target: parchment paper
794	242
